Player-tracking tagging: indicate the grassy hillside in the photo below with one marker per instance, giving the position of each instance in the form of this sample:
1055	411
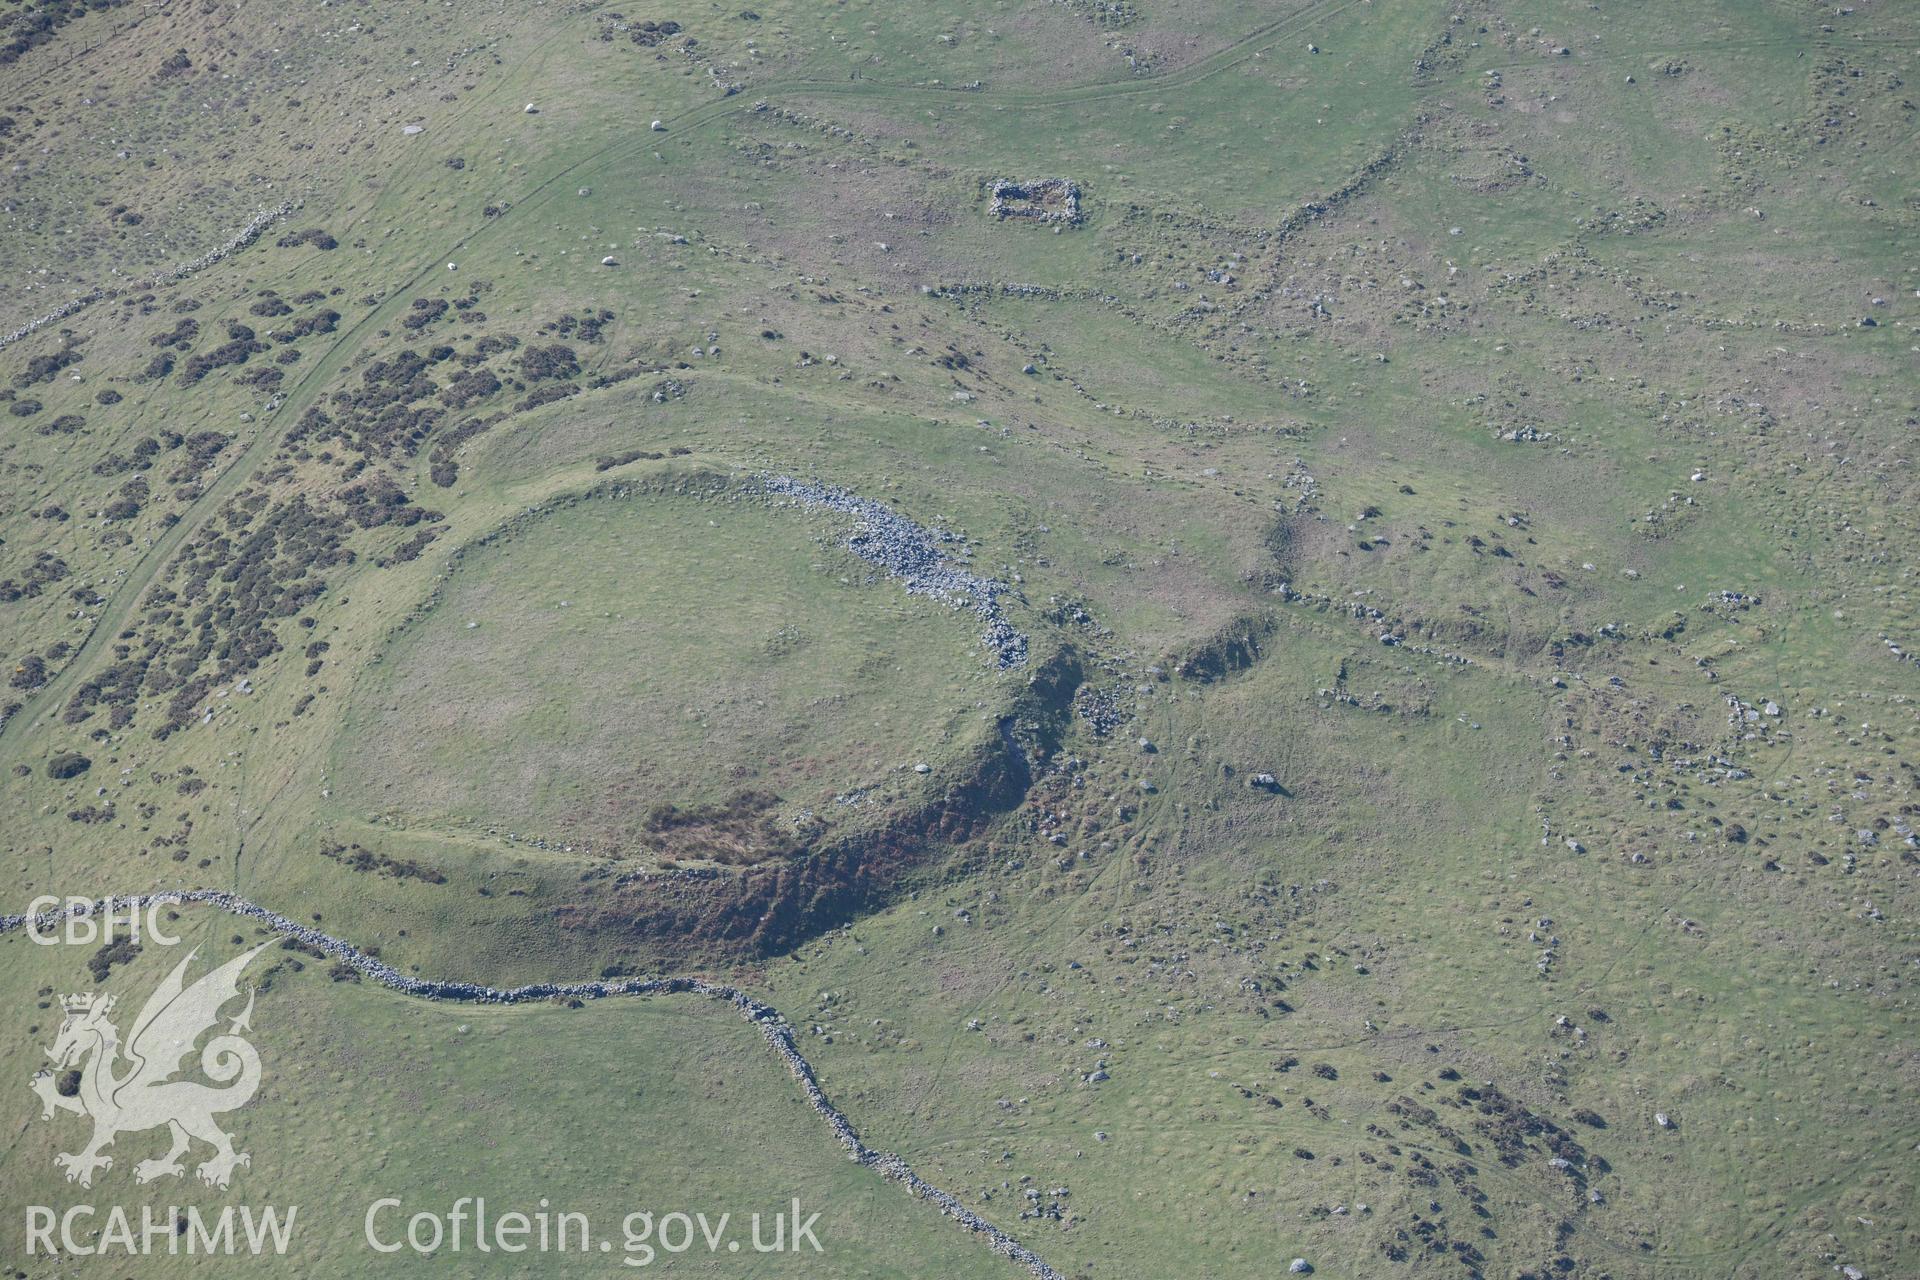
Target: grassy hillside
1450	473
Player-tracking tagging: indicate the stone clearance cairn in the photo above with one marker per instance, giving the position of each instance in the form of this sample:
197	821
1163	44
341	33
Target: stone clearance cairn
777	1031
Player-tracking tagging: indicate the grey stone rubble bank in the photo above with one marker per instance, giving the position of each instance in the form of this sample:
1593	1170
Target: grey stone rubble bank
911	553
774	1028
247	235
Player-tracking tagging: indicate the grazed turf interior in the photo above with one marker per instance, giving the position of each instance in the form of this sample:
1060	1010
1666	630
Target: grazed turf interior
719	669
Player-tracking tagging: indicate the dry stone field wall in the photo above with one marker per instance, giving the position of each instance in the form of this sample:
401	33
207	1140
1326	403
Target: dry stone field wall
774	1028
246	236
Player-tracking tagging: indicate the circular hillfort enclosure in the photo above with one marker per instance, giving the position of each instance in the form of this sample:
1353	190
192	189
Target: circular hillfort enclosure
693	668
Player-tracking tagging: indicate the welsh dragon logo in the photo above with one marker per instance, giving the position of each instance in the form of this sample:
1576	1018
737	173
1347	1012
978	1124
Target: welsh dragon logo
126	1090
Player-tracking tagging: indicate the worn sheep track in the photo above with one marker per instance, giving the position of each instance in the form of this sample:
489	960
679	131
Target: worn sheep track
912	553
776	1030
173	275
